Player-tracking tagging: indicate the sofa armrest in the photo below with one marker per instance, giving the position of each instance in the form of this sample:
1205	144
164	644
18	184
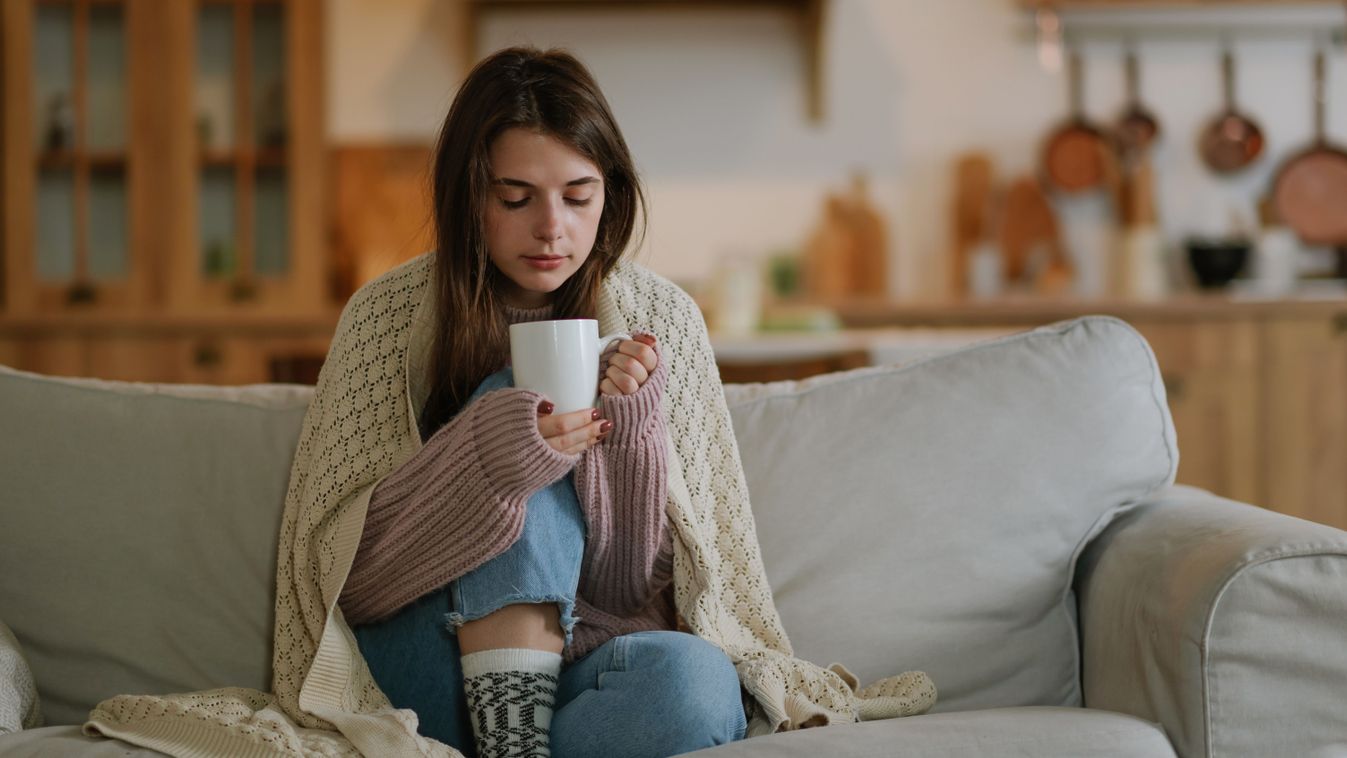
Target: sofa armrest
1224	622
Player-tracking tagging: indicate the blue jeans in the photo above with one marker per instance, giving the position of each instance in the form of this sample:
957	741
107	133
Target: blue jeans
656	693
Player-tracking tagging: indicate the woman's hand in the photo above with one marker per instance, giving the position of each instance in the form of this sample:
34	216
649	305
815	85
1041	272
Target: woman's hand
630	366
572	433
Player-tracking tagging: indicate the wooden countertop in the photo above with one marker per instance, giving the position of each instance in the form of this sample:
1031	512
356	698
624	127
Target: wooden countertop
860	313
883	345
160	324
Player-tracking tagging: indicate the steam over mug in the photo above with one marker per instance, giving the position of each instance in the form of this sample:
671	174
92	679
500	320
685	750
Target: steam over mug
560	360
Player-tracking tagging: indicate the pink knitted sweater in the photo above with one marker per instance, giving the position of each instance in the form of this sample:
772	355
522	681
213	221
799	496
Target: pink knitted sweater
460	501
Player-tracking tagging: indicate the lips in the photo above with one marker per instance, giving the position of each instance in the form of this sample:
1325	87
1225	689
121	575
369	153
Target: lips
545	262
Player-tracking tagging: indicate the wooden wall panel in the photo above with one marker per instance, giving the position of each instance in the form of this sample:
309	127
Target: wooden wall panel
380	211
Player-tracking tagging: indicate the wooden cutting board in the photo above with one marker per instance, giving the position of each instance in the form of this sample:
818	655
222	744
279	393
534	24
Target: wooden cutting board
1029	223
848	252
970	223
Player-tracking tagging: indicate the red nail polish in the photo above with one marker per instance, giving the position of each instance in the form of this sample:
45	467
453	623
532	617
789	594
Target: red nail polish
595	415
605	427
545	407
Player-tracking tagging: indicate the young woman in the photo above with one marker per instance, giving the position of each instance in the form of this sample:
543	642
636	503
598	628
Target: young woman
512	580
456	565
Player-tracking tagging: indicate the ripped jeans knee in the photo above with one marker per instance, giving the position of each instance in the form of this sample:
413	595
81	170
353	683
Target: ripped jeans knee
542	566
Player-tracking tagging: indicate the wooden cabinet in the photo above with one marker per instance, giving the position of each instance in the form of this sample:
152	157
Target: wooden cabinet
76	188
199	350
162	189
1211	374
1304	407
1257	390
162	157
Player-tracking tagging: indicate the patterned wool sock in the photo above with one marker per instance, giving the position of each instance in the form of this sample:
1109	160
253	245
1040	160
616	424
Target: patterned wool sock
510	696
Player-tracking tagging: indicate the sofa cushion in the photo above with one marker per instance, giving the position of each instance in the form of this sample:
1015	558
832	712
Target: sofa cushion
69	742
138	553
994	733
19	704
928	516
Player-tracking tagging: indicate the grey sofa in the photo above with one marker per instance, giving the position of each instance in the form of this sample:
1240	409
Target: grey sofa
1002	516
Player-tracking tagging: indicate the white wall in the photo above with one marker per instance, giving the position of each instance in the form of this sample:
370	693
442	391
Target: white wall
711	101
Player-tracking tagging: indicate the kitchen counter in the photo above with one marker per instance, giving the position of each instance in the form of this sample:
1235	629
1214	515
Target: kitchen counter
1327	301
882	345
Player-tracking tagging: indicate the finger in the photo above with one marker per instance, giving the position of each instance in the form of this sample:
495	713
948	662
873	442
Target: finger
625	383
553	426
591	441
608	388
641	352
581	437
631	367
648	339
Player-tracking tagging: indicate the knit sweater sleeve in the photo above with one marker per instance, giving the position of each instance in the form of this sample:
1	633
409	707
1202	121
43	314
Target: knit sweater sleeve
455	504
622	486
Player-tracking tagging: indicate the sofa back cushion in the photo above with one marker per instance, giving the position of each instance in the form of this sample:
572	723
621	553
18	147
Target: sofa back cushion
928	516
140	525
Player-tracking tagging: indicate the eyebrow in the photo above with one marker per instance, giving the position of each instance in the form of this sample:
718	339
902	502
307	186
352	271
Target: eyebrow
521	183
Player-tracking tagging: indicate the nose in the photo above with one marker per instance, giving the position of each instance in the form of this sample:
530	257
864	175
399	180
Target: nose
548	226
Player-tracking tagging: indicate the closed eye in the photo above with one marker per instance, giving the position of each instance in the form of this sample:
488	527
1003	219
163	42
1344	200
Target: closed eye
516	204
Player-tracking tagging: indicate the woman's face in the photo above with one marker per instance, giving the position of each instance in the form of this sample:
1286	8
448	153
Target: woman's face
542	213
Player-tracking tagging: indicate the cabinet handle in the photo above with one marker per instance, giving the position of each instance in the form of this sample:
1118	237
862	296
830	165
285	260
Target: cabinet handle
81	293
207	355
1173	385
242	290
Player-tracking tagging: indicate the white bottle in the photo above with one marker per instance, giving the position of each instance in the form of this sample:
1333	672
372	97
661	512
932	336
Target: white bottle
737	307
1143	267
984	271
1275	256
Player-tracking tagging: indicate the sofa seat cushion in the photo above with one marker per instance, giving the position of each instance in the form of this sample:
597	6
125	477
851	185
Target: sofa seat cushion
68	741
138	553
1028	732
929	516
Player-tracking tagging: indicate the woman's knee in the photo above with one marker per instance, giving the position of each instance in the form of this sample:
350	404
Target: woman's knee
703	678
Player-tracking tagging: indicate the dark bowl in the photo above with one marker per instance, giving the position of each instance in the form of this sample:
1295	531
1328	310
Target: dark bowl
1216	262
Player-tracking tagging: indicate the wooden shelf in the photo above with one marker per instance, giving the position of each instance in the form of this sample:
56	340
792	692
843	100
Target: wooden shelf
863	313
1170	4
91	158
1202	20
268	157
152	323
810	14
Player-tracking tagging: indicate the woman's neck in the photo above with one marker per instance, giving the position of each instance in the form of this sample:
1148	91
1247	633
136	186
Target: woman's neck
518	297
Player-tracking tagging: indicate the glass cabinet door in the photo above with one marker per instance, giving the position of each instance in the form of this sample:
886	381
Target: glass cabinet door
243	138
79	126
162	155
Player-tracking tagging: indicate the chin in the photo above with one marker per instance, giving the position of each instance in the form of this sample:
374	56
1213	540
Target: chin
545	282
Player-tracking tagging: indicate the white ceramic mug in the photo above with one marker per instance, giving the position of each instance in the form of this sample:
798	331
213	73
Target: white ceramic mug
560	360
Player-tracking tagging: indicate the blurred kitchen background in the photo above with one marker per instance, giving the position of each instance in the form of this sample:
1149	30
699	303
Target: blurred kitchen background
192	188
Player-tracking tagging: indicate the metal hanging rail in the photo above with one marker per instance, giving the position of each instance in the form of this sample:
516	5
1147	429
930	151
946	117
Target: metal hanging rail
1076	22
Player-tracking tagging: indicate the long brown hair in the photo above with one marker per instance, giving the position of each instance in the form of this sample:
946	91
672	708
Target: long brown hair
552	93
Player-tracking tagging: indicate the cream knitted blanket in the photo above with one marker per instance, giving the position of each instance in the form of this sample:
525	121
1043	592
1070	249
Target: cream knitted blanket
362	424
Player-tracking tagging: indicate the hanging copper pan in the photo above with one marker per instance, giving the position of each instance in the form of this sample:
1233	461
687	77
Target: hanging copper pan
1231	141
1310	190
1137	128
1076	155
